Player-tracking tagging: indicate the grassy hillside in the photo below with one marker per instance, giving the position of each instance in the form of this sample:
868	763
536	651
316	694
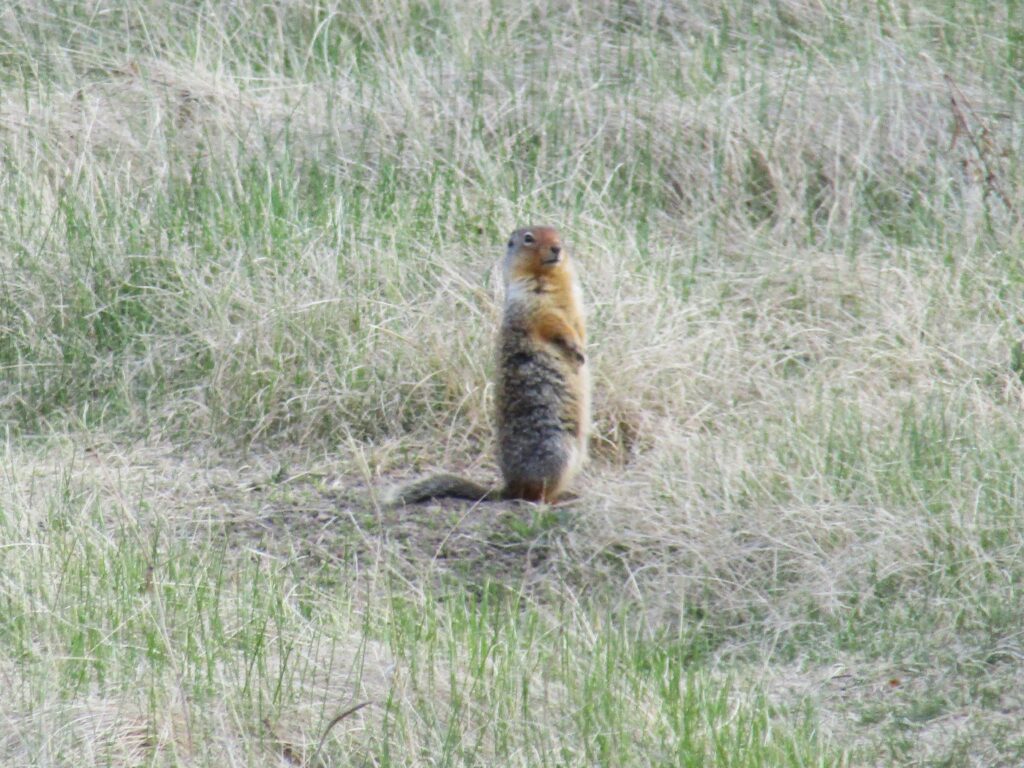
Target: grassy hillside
247	283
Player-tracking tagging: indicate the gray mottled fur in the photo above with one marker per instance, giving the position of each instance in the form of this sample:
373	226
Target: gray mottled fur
540	416
543	387
444	486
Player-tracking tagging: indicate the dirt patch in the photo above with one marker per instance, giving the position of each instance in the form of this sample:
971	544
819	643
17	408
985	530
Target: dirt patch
510	543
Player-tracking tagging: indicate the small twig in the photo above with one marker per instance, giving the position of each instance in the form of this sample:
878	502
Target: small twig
962	127
337	719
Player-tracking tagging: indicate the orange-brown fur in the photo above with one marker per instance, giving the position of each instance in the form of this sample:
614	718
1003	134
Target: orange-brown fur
543	393
543	385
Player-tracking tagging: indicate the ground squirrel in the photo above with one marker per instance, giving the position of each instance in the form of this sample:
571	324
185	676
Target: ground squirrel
543	383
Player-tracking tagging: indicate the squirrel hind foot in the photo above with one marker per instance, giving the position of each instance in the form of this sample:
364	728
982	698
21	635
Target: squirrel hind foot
537	492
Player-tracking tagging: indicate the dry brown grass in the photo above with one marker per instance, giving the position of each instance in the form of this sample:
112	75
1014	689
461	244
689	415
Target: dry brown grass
248	281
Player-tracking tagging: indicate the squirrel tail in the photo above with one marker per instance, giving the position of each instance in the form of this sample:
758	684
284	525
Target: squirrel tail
445	486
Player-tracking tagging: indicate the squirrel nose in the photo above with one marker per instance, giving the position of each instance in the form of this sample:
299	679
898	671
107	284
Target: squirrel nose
555	250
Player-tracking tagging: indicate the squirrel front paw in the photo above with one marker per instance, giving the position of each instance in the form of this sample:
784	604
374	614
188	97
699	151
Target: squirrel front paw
571	350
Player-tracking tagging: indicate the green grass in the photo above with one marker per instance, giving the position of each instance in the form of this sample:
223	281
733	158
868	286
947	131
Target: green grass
191	653
248	280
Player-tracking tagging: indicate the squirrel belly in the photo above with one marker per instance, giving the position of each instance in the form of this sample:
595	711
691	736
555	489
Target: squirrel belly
541	411
543	381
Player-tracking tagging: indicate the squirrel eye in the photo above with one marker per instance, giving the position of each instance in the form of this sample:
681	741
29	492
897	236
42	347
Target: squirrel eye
528	239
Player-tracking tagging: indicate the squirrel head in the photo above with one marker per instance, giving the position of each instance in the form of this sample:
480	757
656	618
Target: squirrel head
533	253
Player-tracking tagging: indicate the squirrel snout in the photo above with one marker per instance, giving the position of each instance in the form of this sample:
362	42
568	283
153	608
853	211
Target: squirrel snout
555	251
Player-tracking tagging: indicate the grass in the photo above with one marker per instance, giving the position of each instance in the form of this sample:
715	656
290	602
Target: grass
126	646
247	282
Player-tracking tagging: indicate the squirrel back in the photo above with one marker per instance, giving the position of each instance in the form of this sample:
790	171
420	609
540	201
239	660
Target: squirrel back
543	382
